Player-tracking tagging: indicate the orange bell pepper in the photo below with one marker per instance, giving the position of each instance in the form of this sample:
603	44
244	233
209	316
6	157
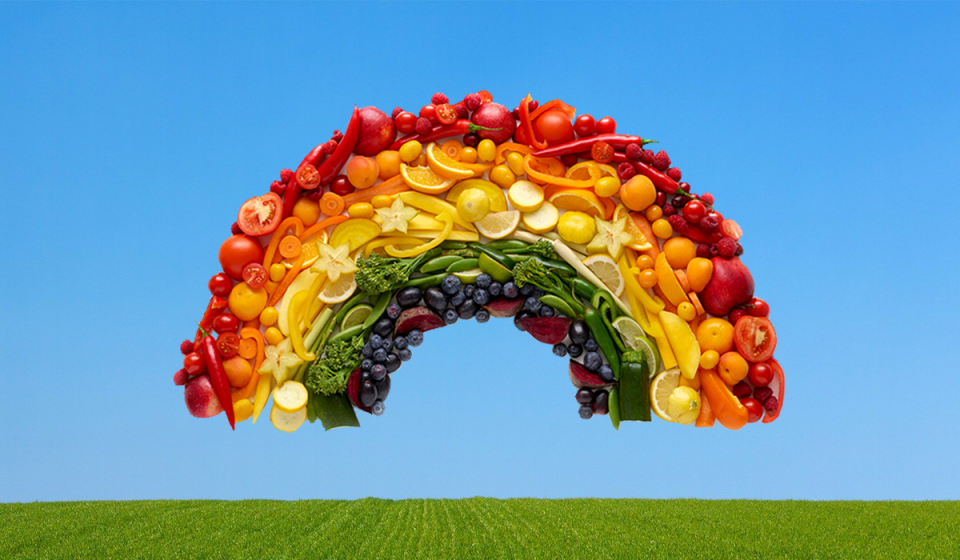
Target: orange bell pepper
567	110
287	280
393	185
644	226
725	406
322	225
512	146
528	162
527	124
706	419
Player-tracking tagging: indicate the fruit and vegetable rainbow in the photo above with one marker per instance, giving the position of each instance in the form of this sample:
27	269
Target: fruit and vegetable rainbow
586	237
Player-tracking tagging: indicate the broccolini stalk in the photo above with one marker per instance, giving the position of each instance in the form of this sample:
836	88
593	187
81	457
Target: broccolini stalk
377	274
543	248
532	271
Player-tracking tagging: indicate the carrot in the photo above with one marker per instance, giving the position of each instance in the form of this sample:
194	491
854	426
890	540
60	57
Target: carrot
287	280
706	419
393	185
682	278
696	303
291	222
644	225
290	247
247	349
322	225
332	204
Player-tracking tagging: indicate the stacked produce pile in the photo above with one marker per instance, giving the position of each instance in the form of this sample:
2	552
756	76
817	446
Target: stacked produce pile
588	239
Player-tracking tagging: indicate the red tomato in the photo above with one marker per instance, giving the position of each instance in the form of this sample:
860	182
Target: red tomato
606	125
754	409
308	177
756	307
731	229
220	285
585	125
694	211
406	122
228	344
226	322
429	112
193	363
554	127
341	185
601	152
255	275
446	114
761	374
755	338
237	252
261	214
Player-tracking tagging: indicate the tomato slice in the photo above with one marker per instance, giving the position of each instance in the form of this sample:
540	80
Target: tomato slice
255	275
228	344
755	338
601	152
731	229
308	177
446	114
778	388
261	214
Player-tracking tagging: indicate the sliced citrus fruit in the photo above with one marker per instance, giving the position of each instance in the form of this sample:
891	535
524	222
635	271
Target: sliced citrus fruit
498	225
581	200
496	270
581	171
661	388
444	165
423	179
309	251
356	316
290	397
355	232
498	202
543	219
339	291
286	421
607	271
668	282
468	276
639	242
525	196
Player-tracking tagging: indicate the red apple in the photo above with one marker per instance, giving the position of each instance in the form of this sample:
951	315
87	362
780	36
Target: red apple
201	400
494	116
377	132
730	285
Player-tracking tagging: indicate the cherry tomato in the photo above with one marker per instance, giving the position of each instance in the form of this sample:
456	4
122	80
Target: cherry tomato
694	211
554	127
606	125
756	307
308	177
341	185
237	252
601	152
485	96
261	214
225	322
585	125
755	338
760	375
255	275
429	112
220	285
193	363
406	122
754	410
730	229
446	114
228	344
736	313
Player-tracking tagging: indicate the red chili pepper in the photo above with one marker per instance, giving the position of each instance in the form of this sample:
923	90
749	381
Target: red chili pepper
618	141
315	157
527	124
461	126
771	416
218	376
214	308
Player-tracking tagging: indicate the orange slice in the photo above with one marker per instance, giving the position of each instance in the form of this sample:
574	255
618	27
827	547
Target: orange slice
423	179
582	200
640	242
444	165
581	171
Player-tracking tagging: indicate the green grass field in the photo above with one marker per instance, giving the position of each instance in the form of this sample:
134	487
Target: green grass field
480	528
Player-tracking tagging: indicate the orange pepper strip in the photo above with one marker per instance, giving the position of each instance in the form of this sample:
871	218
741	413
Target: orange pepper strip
247	390
560	181
287	280
322	225
279	234
513	146
725	406
705	419
393	185
555	104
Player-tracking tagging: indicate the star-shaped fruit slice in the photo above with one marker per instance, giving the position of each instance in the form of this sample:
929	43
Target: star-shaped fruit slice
397	216
334	261
610	237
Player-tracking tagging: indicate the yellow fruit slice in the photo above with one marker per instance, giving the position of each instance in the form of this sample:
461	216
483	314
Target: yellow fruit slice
285	421
683	342
423	179
661	388
542	220
436	206
290	397
355	232
668	282
498	202
444	165
639	242
581	200
498	225
473	205
525	196
339	291
309	250
607	271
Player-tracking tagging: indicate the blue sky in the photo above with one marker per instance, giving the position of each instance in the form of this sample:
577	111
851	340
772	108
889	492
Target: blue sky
131	134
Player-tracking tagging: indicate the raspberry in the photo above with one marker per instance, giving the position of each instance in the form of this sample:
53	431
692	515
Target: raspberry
669	210
661	161
423	126
277	187
337	136
707	199
647	157
235	228
315	194
439	99
703	251
714	250
634	151
180	378
569	159
762	393
186	347
396	111
329	147
285	175
678	222
739	250
741	390
709	223
674	173
727	248
770	405
462	112
626	170
472	101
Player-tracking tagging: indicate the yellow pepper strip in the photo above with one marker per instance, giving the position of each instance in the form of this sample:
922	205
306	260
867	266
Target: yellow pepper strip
293	324
666	352
281	232
512	146
264	387
322	225
436	206
636	290
454	235
312	300
445	217
639	313
384	241
560	181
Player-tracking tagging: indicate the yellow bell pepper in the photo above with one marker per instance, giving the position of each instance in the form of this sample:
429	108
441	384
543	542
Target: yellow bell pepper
436	206
295	311
445	217
455	235
384	241
264	387
656	331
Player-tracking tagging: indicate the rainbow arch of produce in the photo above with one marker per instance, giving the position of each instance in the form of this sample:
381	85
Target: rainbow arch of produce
589	240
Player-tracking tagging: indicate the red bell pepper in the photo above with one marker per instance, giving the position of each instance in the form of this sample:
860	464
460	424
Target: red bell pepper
581	145
216	306
527	124
770	417
218	377
456	128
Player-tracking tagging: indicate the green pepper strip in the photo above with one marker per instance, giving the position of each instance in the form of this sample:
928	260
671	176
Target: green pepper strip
602	301
453	245
584	289
507	245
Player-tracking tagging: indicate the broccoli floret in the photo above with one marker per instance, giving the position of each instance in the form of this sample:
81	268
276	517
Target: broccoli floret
330	373
377	274
544	248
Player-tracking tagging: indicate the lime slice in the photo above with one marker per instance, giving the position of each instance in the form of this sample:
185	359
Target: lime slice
496	270
356	316
468	276
633	336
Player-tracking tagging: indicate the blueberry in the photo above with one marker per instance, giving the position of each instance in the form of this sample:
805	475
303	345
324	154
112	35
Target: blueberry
393	363
368	393
467	310
400	343
367	350
383	387
450	284
532	304
537	292
522	315
592	361
468	290
591	345
375	341
579	332
366	364
495	289
560	350
408	297
379	355
377	408
387	344
383	327
415	338
435	299
457	298
393	310
584	396
450	316
527	290
378	372
482	316
511	291
601	402
404	355
481	296
546	311
606	373
586	412
484	280
575	350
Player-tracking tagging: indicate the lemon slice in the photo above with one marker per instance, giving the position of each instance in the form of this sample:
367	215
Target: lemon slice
356	316
444	165
660	390
607	271
543	219
525	196
498	225
339	291
290	397
287	421
423	179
